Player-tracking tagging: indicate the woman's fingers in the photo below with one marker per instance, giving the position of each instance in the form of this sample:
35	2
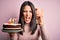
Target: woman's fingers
39	16
39	12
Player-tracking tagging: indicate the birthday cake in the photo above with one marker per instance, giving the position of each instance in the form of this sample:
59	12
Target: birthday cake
11	26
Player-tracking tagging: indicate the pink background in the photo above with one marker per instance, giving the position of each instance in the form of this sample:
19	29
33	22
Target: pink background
10	8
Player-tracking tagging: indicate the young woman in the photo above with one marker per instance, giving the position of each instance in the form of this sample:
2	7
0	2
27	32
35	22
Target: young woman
32	29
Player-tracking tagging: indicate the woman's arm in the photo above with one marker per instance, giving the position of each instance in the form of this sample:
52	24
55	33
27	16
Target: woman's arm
43	33
40	21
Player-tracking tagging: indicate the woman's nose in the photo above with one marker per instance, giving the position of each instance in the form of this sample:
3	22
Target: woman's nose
27	14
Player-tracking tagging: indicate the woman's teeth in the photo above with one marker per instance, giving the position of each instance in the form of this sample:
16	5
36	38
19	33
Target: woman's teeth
27	17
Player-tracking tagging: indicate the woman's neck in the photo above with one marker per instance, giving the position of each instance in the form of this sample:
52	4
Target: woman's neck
27	24
26	27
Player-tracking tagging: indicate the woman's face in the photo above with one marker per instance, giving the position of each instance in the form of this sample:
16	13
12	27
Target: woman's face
27	13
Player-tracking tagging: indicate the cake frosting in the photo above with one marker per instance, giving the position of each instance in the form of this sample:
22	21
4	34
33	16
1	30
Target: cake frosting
11	24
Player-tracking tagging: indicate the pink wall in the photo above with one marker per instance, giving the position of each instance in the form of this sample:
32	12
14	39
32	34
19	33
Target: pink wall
10	8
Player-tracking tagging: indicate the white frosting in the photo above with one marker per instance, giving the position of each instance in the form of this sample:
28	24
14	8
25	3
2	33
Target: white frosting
10	24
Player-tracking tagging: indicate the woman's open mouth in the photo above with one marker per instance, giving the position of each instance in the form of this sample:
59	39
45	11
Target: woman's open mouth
27	18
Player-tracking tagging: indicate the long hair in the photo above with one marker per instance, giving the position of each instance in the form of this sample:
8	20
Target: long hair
33	20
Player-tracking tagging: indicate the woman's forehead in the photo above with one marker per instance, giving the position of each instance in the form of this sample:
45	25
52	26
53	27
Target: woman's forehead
27	7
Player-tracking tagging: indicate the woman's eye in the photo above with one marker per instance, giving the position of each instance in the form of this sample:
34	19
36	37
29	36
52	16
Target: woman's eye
28	11
24	11
31	11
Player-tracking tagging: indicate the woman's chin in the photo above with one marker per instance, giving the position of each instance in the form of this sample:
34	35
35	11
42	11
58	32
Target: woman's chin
28	22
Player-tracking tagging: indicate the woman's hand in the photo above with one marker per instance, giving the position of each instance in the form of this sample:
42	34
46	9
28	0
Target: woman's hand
13	36
39	16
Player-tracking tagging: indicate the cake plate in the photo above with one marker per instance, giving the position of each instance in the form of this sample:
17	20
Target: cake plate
12	30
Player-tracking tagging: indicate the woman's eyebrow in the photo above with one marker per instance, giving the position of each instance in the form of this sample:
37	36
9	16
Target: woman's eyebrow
30	11
24	11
